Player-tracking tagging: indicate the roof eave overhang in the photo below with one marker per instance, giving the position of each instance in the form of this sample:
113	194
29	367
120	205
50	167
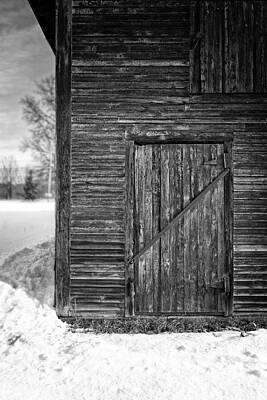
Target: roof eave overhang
45	12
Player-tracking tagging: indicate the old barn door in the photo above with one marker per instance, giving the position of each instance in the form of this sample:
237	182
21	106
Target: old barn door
181	236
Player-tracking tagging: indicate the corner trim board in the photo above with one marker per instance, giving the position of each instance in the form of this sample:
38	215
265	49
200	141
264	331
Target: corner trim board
63	143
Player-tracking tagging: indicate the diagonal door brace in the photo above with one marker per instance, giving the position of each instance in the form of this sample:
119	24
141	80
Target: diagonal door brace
177	218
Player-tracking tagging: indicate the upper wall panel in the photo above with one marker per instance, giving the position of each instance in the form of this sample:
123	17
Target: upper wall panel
229	46
121	31
130	52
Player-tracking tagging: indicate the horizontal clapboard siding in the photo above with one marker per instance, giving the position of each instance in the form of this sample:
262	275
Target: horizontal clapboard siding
250	221
129	59
97	220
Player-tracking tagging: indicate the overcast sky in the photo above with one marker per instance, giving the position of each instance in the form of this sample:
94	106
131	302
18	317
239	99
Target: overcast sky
25	58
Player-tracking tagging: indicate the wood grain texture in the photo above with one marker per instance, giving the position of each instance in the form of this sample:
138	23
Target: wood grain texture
133	64
183	280
250	220
231	55
128	59
63	137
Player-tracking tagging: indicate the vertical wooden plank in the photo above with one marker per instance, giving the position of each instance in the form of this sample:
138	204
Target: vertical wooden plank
165	217
63	138
211	54
186	201
173	201
214	171
231	47
200	214
129	228
180	229
260	47
136	225
204	46
195	32
247	45
206	260
148	292
156	198
223	45
228	238
140	265
239	46
238	24
218	46
227	59
220	226
264	51
193	238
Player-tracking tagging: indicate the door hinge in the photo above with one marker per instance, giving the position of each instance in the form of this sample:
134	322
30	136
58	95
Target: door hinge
223	284
226	160
131	294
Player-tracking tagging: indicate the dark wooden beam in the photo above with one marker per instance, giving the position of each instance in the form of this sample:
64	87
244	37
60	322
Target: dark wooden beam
45	12
63	132
129	218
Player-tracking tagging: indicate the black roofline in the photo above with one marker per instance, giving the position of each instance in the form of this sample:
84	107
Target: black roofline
45	12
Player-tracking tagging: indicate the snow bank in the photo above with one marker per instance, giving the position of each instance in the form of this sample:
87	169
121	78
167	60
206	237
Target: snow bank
41	359
33	271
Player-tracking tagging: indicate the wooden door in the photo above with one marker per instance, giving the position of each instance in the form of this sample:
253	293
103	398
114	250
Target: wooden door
186	270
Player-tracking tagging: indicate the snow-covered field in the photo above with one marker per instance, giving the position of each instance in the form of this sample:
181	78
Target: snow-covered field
41	359
24	224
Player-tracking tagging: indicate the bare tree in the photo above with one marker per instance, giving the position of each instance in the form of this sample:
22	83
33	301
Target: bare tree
39	113
8	175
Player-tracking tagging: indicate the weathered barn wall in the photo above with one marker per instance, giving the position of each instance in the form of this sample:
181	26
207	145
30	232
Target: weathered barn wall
130	81
130	58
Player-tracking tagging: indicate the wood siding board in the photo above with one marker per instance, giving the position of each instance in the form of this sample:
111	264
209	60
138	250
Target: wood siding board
200	213
156	226
193	241
186	228
207	231
248	227
165	240
195	33
220	226
214	170
129	227
141	206
260	46
180	278
148	215
174	231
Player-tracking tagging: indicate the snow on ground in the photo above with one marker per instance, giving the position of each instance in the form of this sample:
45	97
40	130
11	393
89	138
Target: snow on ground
40	359
24	224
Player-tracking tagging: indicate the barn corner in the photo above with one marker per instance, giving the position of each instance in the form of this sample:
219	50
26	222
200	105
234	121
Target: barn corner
161	158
